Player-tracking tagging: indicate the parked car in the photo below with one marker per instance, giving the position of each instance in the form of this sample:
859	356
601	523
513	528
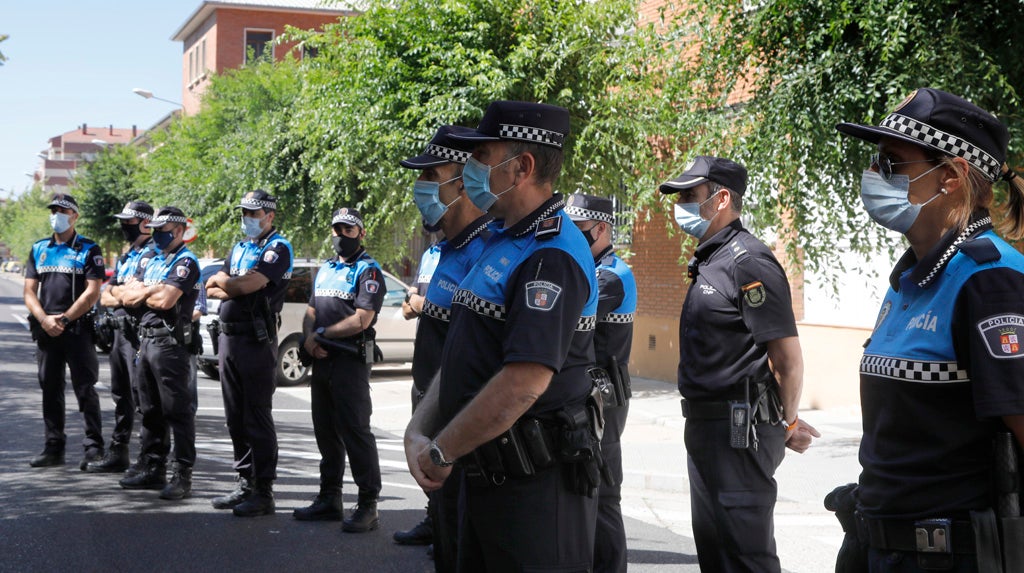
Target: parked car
395	335
12	266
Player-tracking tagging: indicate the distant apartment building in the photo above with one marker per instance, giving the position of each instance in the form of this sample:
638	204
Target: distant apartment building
221	35
70	150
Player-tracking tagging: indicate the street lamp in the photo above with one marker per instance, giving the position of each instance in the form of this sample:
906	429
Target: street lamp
149	95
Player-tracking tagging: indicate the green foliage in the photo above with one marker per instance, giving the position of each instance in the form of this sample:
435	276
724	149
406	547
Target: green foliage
3	58
102	188
24	221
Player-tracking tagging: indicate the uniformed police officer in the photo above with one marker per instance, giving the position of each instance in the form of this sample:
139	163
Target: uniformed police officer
441	199
63	274
348	293
412	306
167	294
740	409
252	285
513	400
123	386
613	340
941	374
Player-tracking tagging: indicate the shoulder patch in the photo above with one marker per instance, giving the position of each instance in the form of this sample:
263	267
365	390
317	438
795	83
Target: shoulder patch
97	260
981	250
371	286
1002	335
542	295
182	271
754	294
270	256
548	228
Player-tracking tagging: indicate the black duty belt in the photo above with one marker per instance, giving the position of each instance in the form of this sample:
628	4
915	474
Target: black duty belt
238	328
923	536
716	410
158	332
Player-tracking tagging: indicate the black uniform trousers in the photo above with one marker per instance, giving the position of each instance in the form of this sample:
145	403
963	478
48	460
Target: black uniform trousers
340	395
76	351
166	401
610	539
526	525
884	561
247	382
732	496
444	519
122	386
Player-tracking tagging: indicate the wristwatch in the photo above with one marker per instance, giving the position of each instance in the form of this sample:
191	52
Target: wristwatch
321	330
437	456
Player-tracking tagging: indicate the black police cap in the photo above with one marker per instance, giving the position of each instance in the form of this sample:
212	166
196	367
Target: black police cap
522	121
63	200
258	199
168	215
347	216
442	149
136	210
704	168
580	207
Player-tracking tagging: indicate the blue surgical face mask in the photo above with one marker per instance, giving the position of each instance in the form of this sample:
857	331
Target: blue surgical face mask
425	195
60	222
252	227
689	220
163	239
887	201
477	178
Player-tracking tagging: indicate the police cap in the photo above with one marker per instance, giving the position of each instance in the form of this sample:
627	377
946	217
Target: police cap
63	200
347	216
168	215
704	168
521	121
258	199
136	210
580	207
442	149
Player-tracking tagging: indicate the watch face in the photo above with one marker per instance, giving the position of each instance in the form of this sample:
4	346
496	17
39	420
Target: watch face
435	455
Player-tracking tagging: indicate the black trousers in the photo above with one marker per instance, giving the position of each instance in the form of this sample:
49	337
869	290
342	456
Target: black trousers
444	517
526	525
881	561
76	352
166	401
610	539
247	382
732	496
340	393
122	391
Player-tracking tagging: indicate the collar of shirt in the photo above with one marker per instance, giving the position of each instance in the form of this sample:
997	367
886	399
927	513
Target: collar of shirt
923	273
529	222
466	235
262	239
605	254
170	256
722	237
337	260
70	243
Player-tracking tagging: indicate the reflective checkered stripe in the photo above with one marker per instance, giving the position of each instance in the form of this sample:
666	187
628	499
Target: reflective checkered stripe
335	293
437	312
945	142
478	305
62	270
535	134
169	219
586	323
136	214
65	204
447	153
940	372
255	204
574	211
617	318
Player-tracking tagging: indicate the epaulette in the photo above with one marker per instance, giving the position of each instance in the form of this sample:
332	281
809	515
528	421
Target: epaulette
548	228
981	250
738	250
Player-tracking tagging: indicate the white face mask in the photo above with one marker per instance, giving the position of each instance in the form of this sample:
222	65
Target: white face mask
688	217
60	222
252	226
887	201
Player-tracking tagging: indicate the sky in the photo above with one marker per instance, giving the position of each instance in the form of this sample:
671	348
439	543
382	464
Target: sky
71	62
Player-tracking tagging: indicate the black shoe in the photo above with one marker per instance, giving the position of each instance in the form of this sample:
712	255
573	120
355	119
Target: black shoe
49	457
91	455
115	461
326	507
152	476
259	502
180	485
430	551
135	469
421	534
242	490
363	518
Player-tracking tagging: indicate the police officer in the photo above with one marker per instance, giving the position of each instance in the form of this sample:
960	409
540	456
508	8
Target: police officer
613	339
941	373
62	283
133	217
740	409
412	306
167	295
338	328
441	199
513	399
252	285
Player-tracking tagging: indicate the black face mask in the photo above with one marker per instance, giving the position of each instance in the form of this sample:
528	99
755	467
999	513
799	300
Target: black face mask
431	228
130	232
591	239
345	246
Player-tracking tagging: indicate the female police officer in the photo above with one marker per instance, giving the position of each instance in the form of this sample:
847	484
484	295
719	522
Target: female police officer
942	372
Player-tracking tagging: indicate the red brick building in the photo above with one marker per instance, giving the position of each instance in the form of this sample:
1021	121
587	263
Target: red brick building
69	150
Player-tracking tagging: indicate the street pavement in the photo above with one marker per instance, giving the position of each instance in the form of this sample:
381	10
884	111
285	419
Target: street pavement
59	519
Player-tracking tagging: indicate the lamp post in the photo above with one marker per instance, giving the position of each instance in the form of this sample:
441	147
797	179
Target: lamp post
149	95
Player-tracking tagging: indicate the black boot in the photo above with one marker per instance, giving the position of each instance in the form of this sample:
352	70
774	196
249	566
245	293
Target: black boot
363	518
242	490
91	455
180	485
326	507
137	468
421	534
115	461
259	502
52	455
152	476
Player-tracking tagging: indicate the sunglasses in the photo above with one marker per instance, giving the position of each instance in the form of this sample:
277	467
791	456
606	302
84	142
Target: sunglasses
885	164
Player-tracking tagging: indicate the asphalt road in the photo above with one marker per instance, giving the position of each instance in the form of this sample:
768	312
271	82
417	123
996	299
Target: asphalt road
62	519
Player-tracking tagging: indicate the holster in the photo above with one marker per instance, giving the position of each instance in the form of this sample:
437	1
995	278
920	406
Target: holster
214	329
35	328
853	554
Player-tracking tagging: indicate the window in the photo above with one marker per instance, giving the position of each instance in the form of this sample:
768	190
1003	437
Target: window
256	47
191	65
396	293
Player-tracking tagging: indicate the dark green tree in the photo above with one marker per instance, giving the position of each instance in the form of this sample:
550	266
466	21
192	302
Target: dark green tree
102	189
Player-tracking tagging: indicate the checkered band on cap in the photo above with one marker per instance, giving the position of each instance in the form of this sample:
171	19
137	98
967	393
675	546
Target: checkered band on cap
574	211
912	370
447	153
944	142
534	134
437	312
137	214
162	219
478	305
347	219
254	204
62	202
